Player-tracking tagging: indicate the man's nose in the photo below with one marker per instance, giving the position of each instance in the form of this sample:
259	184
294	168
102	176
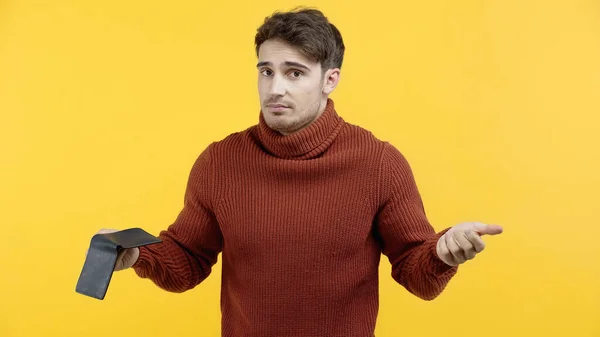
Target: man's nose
278	86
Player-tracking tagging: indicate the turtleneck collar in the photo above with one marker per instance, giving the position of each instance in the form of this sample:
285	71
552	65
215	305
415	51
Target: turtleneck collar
307	143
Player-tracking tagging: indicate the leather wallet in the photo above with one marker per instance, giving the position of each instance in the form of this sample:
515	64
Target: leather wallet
102	256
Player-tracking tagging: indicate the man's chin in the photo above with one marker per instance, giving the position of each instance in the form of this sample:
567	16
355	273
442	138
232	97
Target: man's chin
281	124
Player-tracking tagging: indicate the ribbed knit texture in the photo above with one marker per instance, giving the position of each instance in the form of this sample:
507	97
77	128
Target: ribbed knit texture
301	222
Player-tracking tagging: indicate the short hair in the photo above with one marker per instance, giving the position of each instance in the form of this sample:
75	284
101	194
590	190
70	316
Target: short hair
308	30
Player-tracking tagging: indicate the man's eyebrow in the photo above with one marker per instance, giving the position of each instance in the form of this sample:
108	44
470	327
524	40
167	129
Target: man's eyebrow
262	64
287	63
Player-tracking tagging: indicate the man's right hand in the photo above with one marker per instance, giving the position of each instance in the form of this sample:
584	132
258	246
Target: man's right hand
126	257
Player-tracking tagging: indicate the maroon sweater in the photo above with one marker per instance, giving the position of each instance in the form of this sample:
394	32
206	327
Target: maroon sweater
301	222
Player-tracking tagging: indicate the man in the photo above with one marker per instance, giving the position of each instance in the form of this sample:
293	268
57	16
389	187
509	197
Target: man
302	205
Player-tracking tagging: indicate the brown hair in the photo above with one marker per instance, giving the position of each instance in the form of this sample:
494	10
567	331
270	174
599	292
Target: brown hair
308	30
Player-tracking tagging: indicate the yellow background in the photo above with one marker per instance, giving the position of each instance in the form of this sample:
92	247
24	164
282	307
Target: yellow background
105	105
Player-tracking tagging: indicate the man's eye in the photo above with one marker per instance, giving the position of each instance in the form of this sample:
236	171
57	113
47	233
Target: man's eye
267	72
297	73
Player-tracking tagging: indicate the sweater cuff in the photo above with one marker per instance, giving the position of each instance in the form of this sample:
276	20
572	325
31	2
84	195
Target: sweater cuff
439	267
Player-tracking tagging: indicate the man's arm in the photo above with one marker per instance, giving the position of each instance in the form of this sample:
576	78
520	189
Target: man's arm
190	245
407	238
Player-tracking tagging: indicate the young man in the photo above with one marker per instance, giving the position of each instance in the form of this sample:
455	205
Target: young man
302	205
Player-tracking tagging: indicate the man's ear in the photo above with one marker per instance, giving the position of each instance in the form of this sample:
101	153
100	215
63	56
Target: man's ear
331	80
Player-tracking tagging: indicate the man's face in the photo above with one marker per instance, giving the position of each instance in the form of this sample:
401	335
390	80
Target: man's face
293	89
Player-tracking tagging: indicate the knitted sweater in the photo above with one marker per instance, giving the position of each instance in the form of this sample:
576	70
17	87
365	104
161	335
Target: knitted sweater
301	222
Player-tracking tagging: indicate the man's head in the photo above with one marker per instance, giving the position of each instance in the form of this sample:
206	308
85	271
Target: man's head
300	55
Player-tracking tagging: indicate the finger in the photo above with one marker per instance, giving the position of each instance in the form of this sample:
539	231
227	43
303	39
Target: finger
120	253
454	249
106	231
119	262
465	244
475	240
444	253
483	229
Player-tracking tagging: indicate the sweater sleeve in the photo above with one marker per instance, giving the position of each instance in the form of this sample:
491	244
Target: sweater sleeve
191	244
407	238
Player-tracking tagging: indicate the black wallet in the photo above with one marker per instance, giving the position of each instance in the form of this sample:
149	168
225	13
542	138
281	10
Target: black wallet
102	256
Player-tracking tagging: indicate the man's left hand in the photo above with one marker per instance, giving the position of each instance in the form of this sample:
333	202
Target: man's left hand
463	241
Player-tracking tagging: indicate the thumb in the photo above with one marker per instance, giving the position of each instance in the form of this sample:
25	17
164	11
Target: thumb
483	229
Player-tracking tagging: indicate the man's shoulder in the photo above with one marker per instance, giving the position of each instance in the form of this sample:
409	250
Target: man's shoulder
384	149
234	140
363	137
